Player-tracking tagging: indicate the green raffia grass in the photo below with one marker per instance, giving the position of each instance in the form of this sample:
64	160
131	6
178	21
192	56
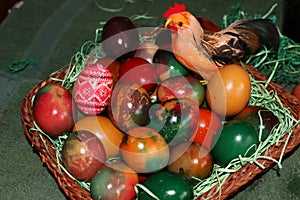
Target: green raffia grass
265	60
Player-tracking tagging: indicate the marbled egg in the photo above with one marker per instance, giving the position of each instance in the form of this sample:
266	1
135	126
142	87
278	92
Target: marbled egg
93	89
129	106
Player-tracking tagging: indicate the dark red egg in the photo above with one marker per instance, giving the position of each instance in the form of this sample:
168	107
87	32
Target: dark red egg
140	71
83	155
120	38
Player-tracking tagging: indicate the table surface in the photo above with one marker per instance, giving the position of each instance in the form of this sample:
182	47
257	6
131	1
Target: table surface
50	33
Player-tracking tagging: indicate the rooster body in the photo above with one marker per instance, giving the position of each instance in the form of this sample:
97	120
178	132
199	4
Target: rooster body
204	52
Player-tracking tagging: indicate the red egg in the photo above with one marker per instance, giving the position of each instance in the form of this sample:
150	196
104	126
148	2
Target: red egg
53	109
93	89
191	159
138	70
83	155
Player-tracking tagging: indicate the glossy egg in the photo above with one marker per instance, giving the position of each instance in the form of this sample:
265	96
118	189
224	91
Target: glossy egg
129	106
93	89
146	51
106	132
112	65
191	160
144	150
120	38
115	181
83	155
139	71
167	65
207	125
176	120
228	91
166	185
181	87
235	139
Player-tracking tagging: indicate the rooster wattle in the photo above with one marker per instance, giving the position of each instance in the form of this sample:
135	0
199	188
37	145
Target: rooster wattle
204	52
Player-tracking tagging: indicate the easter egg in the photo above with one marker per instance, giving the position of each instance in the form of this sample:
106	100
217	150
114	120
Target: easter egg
83	155
114	181
93	89
112	65
120	38
181	87
235	139
166	185
191	159
176	120
53	109
146	51
104	129
129	106
167	65
140	71
144	150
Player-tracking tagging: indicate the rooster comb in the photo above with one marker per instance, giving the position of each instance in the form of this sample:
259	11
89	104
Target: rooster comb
173	10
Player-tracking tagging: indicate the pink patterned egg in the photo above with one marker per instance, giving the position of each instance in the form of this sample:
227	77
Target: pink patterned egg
93	89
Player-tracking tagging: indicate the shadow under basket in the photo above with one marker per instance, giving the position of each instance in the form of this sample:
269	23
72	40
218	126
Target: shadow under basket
232	184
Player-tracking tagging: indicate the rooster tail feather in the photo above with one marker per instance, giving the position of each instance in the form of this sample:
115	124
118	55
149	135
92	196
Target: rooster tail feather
255	33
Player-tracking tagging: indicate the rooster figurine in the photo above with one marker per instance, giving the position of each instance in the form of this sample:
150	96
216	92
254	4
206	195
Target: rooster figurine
204	52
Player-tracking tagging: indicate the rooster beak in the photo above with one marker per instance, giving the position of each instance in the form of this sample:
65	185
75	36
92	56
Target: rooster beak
169	20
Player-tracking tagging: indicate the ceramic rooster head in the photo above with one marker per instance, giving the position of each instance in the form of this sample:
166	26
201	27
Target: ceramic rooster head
204	52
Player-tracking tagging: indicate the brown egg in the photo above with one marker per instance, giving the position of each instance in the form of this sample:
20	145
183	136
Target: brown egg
129	106
120	38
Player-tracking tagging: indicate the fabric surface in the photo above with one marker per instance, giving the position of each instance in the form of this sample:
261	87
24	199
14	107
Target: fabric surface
49	33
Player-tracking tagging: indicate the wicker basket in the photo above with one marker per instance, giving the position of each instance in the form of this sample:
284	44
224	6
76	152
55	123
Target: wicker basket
233	183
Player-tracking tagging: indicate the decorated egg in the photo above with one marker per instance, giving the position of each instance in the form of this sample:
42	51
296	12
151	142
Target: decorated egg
129	106
144	150
176	120
181	87
105	131
120	38
93	89
83	155
167	66
112	65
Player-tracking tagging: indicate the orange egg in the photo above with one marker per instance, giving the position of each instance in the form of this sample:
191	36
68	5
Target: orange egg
103	128
144	150
228	91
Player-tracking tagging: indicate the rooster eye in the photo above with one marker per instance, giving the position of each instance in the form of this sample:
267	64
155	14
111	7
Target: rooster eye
180	24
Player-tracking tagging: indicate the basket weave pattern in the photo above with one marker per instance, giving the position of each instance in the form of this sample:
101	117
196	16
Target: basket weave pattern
233	183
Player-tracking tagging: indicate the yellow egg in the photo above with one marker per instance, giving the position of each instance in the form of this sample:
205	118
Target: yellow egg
228	91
